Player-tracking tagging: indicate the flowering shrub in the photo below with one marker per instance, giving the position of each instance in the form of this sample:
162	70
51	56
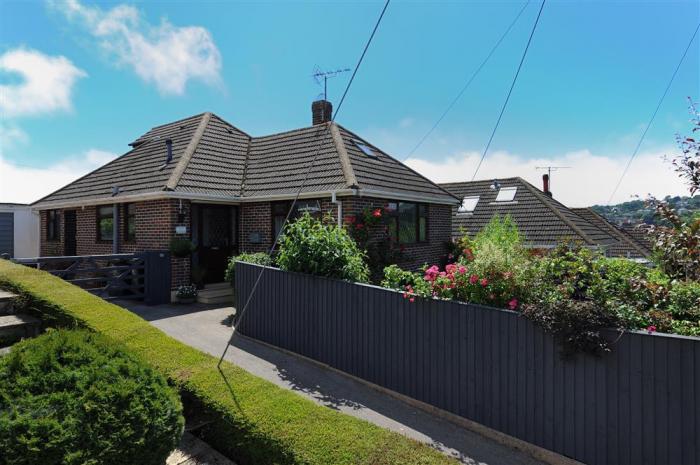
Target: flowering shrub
187	292
370	229
321	248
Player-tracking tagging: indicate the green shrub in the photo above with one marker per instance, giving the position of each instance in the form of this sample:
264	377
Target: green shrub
396	278
311	246
258	258
251	419
181	247
74	397
684	301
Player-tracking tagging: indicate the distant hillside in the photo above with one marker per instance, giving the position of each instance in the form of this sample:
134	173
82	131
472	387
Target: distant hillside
637	212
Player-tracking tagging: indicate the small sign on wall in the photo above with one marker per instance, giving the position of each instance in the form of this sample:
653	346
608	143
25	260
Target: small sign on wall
180	229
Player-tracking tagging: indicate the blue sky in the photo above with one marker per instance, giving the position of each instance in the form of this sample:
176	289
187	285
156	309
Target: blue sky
592	77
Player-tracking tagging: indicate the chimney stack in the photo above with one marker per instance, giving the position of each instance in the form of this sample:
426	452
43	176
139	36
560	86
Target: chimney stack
545	185
321	112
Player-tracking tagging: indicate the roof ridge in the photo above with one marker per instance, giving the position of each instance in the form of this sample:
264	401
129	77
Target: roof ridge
619	232
245	165
177	121
445	191
546	200
187	155
346	166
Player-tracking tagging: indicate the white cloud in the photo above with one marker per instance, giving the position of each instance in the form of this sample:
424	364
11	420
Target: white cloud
22	184
46	86
590	180
11	135
165	55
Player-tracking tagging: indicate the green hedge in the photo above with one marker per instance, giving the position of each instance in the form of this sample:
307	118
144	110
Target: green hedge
254	420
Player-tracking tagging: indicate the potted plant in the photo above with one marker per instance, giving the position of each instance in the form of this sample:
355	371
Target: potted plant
186	294
181	247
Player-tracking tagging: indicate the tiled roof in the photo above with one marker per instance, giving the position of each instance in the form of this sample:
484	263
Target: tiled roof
627	246
213	158
542	220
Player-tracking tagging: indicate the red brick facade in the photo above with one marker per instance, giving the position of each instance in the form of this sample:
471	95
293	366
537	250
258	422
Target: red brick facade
156	220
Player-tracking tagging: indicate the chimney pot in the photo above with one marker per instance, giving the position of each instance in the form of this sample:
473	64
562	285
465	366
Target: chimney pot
545	185
321	112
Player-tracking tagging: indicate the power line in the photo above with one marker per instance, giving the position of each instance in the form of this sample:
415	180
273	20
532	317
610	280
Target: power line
320	134
469	81
510	91
656	110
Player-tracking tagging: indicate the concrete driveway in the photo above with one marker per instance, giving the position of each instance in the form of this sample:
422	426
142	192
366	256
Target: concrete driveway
203	327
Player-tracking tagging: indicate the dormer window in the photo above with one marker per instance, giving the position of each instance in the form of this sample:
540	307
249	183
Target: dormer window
506	194
468	205
367	150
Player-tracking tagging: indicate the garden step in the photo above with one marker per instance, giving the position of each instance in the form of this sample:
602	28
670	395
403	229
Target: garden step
218	299
6	300
19	325
217	286
216	292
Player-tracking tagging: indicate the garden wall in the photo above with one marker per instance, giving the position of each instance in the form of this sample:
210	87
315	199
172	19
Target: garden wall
639	404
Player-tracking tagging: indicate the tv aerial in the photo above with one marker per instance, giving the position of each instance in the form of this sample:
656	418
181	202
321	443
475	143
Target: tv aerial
321	77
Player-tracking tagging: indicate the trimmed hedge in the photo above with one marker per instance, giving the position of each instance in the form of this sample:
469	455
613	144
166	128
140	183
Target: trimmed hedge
76	397
254	421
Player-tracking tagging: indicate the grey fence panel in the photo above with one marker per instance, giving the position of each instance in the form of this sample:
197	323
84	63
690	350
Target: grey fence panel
639	404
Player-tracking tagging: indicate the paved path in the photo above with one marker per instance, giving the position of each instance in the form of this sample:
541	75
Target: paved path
201	326
193	451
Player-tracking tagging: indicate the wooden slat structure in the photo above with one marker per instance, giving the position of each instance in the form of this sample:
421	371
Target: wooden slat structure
639	404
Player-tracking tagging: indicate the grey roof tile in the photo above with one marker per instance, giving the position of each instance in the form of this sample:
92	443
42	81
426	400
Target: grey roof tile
542	220
627	246
228	162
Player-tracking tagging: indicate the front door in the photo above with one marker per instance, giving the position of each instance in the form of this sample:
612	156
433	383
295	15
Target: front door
69	232
215	241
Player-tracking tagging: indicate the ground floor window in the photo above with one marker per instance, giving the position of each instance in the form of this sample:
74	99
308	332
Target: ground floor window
408	222
105	223
53	225
130	222
280	209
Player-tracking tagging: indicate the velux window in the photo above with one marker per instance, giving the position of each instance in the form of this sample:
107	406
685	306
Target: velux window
105	223
408	222
506	194
468	205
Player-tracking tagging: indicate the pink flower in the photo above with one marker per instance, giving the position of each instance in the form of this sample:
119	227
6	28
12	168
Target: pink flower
350	219
484	282
451	268
473	279
412	299
405	295
431	273
651	329
462	269
513	304
377	213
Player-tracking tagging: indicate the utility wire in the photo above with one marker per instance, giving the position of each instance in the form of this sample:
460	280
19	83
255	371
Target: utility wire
321	133
510	91
468	83
653	115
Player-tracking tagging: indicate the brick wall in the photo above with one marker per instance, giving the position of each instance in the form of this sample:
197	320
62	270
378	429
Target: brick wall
155	226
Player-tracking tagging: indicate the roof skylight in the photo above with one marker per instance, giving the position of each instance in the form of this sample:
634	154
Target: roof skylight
365	149
506	194
468	205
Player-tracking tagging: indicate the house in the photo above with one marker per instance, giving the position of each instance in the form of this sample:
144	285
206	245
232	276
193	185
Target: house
627	245
543	221
19	231
203	179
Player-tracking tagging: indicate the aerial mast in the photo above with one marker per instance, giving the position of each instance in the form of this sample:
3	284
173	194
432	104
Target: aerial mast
320	74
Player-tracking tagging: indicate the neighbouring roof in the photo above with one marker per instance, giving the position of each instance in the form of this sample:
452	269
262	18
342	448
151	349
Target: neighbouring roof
210	157
542	220
627	246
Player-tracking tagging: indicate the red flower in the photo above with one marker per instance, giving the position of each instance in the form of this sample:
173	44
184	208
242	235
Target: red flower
484	282
350	219
377	213
651	329
473	279
359	225
513	304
